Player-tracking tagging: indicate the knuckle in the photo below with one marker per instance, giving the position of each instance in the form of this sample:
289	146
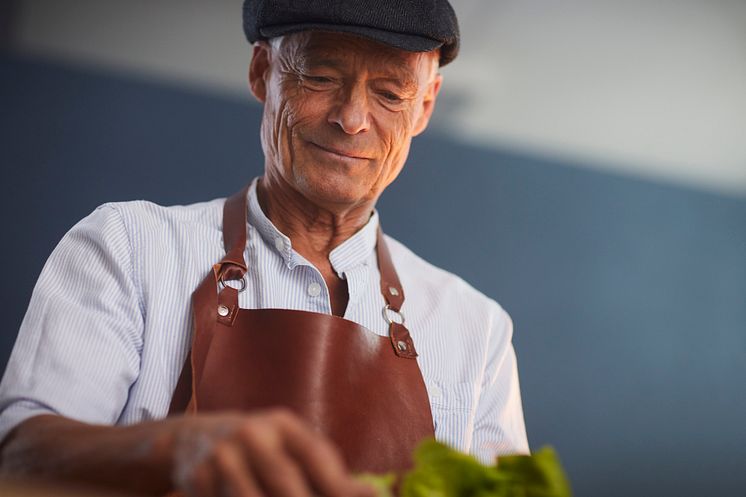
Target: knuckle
282	415
325	449
221	453
249	431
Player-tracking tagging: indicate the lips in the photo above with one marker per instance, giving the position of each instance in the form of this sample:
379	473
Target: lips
349	154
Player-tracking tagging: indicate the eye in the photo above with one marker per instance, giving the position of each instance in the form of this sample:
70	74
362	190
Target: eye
317	82
318	79
390	97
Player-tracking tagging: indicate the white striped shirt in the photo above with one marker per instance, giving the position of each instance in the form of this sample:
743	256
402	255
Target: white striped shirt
109	323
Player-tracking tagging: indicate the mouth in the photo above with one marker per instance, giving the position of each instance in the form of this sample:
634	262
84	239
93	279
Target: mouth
341	154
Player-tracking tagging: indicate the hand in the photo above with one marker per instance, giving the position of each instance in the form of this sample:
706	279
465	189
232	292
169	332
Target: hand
267	453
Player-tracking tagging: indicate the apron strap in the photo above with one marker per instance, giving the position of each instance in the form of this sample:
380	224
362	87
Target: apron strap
235	212
231	267
393	294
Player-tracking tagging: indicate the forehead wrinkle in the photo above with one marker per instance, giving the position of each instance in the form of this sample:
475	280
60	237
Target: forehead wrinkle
328	62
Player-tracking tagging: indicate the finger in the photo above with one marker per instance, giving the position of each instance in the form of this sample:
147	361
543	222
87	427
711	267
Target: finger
234	474
277	473
201	481
321	460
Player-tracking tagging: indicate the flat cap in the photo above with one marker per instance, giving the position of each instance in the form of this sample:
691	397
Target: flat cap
412	25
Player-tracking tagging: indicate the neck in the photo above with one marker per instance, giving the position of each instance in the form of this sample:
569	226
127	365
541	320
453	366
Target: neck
313	230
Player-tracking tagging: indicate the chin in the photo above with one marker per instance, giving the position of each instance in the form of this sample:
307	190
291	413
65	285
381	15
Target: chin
328	185
332	195
329	190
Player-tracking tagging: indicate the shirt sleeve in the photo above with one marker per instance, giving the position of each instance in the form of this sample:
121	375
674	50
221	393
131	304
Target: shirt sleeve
78	348
499	428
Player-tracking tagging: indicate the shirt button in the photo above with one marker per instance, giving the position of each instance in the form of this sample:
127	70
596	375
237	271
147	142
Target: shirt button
280	244
435	392
314	289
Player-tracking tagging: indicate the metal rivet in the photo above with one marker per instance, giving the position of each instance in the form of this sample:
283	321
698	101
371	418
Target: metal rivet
402	345
223	310
393	291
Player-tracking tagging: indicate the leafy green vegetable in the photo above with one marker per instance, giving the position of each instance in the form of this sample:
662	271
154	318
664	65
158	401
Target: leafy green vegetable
382	483
538	475
440	471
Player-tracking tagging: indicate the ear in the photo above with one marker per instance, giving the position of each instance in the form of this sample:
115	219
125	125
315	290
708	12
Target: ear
428	104
259	69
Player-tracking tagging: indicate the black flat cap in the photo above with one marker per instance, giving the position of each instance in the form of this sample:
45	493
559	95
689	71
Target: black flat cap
412	25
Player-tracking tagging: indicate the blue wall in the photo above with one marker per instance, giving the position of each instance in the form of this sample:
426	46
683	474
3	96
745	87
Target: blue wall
629	297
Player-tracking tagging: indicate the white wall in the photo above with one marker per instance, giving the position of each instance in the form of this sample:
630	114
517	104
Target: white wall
650	88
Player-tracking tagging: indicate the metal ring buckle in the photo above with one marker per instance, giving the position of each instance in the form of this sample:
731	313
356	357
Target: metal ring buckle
242	280
386	308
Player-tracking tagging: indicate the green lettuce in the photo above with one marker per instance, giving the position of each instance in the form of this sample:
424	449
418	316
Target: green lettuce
441	471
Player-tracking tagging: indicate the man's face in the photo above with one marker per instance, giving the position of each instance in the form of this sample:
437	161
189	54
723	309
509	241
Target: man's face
340	112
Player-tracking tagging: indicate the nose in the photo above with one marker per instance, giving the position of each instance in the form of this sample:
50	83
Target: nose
350	113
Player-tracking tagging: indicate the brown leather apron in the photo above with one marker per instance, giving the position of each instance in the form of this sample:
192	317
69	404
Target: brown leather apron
363	390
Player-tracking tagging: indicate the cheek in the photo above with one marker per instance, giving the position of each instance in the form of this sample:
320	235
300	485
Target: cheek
284	112
299	109
398	135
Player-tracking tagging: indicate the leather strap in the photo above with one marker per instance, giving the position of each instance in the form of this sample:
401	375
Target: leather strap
235	222
235	212
231	267
391	288
393	294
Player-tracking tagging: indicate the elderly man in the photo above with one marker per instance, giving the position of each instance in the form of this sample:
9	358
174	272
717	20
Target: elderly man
293	359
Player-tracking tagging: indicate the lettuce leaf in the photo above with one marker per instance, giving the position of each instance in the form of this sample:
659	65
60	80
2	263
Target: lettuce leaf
441	471
383	484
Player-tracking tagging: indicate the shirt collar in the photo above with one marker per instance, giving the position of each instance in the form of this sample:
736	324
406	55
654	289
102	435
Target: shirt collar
349	254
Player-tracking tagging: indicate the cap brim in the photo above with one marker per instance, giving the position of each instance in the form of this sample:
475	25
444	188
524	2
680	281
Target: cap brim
410	43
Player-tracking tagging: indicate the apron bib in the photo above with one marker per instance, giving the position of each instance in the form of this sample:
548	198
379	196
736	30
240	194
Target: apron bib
364	391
